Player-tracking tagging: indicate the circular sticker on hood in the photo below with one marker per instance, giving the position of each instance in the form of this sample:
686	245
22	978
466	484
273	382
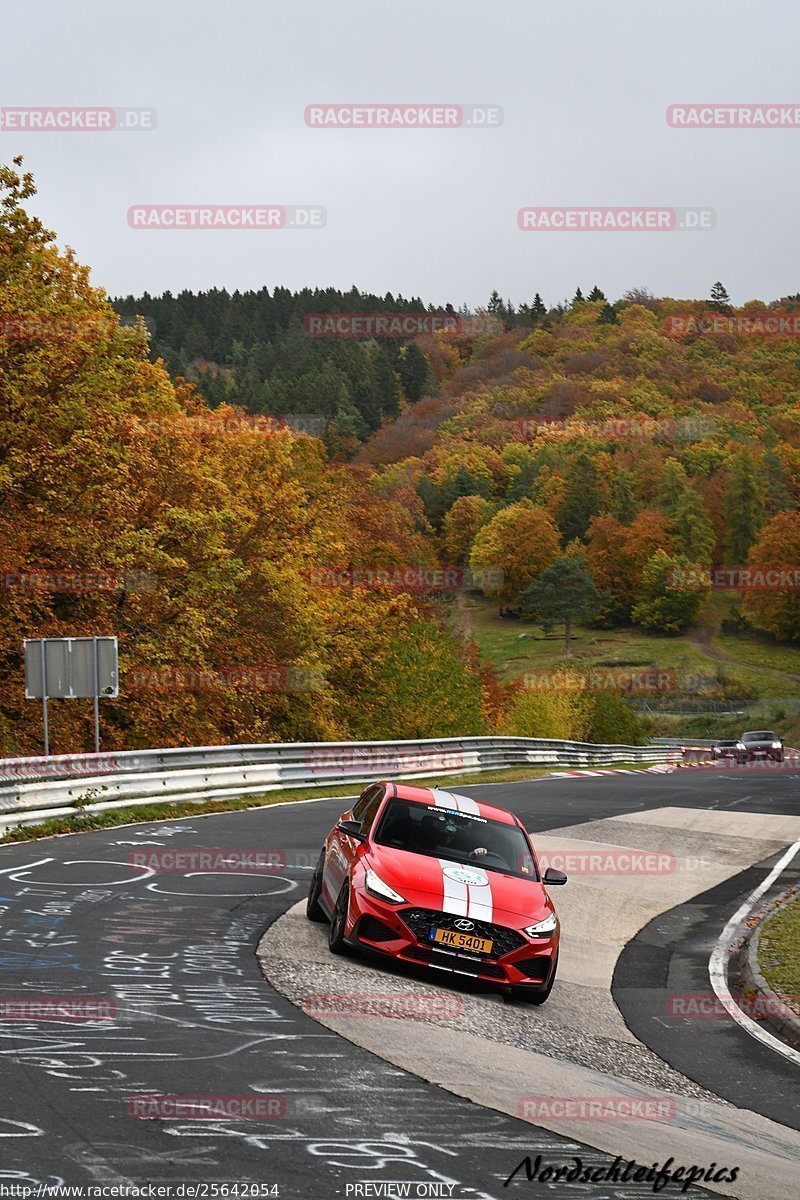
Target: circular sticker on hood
466	875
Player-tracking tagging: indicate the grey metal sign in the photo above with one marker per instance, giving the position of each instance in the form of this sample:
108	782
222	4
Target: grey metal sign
71	669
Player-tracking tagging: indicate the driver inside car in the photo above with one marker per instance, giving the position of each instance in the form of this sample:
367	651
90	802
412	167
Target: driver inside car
464	841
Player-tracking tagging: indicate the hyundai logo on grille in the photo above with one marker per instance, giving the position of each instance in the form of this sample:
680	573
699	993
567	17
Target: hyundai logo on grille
464	926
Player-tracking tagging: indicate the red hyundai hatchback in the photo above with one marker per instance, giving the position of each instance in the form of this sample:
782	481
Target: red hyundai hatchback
435	879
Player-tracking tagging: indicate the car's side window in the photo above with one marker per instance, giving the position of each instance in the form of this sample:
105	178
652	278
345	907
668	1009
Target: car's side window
364	799
368	816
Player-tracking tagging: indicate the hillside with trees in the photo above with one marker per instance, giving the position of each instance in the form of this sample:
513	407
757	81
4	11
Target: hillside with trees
129	507
584	465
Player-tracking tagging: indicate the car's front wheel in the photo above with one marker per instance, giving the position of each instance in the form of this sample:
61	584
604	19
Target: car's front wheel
336	942
313	908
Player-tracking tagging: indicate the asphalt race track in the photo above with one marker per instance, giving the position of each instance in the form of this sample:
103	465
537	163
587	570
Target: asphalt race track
194	1016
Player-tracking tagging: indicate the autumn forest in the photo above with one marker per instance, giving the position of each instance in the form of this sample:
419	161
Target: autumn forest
603	464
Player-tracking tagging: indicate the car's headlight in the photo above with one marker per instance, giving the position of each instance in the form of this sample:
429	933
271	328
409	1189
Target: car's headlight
543	928
776	745
740	746
376	887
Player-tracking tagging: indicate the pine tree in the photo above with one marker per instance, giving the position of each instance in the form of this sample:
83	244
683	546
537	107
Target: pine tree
562	594
673	487
578	297
582	498
596	294
719	299
413	370
776	487
743	507
608	315
623	501
693	529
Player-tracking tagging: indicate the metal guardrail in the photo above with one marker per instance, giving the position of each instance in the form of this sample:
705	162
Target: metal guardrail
688	743
34	789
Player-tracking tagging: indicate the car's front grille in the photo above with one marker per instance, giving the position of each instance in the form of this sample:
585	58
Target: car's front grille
374	930
421	920
455	962
533	968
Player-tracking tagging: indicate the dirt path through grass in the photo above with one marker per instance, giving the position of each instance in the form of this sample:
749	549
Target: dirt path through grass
700	639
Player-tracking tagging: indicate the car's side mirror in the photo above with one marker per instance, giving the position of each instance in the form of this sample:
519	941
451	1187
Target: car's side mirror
351	829
554	877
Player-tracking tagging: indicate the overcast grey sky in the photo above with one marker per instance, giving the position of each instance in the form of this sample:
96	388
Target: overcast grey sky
584	86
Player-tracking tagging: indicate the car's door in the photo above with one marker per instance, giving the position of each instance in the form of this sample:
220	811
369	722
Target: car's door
342	849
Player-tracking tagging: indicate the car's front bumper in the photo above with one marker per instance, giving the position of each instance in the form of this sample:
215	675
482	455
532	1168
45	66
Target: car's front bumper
402	932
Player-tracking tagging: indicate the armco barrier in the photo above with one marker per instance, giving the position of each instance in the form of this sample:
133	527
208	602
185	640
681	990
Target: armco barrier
33	789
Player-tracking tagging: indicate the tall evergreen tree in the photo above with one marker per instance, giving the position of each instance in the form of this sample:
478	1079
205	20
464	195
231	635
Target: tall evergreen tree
776	483
623	501
673	487
693	529
743	507
412	368
719	298
582	497
562	594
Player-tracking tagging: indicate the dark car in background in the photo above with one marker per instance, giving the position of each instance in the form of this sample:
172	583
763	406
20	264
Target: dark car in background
729	749
761	743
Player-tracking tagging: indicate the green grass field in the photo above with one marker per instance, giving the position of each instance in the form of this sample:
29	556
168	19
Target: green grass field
722	664
779	950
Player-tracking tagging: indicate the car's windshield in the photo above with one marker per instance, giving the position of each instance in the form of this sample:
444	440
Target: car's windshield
458	837
726	743
764	735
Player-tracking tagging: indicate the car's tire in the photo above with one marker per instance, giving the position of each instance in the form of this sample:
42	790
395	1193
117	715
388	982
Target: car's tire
536	995
336	942
314	910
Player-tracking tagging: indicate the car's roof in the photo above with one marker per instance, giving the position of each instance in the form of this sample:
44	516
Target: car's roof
444	799
759	733
727	742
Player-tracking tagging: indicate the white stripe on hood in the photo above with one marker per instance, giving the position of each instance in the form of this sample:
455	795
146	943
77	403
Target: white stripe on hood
455	895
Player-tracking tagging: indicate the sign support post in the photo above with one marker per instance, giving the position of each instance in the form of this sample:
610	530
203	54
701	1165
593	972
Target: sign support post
44	702
96	697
